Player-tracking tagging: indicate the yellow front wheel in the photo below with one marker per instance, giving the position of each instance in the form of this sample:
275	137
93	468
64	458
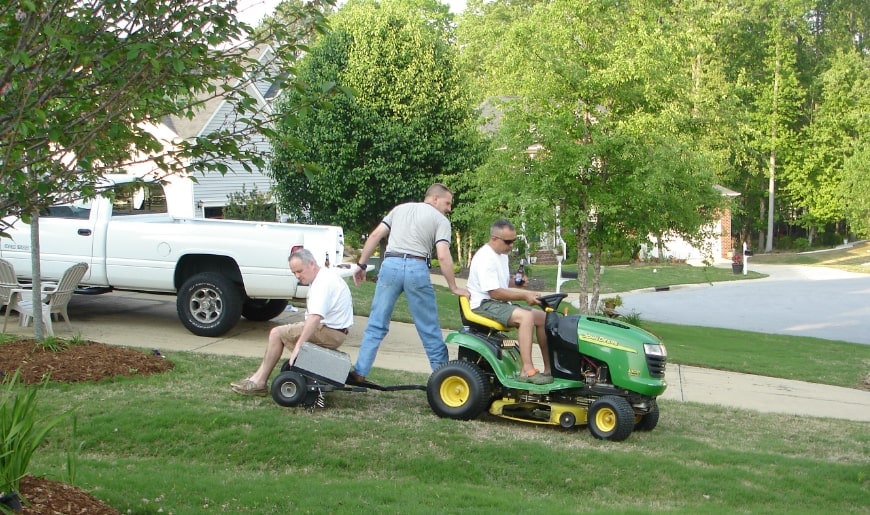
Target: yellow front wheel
611	418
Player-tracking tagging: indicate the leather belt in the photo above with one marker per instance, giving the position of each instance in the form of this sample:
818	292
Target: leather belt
403	256
345	331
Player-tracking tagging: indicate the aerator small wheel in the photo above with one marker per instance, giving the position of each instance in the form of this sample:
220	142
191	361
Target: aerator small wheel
458	390
611	418
567	420
290	389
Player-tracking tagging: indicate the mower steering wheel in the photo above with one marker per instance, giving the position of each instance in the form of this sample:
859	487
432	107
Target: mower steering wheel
552	300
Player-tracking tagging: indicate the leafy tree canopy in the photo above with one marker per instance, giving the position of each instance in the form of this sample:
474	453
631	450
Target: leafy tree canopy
404	123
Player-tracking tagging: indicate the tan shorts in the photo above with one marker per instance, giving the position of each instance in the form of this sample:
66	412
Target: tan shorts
323	336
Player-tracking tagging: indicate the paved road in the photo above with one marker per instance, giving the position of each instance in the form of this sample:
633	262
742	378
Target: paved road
797	300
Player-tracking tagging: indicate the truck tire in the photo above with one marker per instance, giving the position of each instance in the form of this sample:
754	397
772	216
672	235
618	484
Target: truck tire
209	304
260	310
610	418
458	390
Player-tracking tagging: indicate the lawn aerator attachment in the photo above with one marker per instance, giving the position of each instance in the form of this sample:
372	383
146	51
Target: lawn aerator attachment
607	374
318	370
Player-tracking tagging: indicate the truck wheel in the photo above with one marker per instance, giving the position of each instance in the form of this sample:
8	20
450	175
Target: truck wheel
649	420
209	304
610	418
260	310
458	390
289	389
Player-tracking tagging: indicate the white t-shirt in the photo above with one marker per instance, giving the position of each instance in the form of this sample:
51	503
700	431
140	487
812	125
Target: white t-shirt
329	297
488	271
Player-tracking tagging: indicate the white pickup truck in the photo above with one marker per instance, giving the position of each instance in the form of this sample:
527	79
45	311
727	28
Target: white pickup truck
145	238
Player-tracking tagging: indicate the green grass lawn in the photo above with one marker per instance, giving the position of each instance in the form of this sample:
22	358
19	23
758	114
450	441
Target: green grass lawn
183	443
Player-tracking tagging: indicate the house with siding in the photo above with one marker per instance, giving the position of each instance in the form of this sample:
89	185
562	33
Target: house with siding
209	193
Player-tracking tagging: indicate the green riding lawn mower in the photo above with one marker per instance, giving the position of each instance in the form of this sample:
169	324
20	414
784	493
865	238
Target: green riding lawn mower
607	374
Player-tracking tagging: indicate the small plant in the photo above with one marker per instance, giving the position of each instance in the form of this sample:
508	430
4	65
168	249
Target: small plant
77	340
72	453
737	258
20	432
633	318
52	344
612	302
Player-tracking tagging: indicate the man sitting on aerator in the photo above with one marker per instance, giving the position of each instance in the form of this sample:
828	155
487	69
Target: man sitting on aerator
488	282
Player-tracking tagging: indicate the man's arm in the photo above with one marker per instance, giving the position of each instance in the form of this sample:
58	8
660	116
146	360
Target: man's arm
445	262
510	294
312	322
380	232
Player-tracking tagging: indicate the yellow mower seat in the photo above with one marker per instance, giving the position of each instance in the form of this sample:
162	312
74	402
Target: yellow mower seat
472	319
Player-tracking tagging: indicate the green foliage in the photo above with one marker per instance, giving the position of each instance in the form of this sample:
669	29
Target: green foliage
404	122
591	120
21	431
633	318
250	205
52	344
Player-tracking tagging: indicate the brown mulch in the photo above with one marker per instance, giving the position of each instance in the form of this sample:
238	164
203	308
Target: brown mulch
88	361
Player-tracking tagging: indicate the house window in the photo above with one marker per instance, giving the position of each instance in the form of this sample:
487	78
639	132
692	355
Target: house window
213	212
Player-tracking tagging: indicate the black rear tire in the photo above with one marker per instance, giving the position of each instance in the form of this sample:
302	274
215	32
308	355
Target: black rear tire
209	304
260	310
649	420
459	390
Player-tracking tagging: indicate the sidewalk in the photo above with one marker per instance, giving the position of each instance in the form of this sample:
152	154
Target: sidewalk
150	322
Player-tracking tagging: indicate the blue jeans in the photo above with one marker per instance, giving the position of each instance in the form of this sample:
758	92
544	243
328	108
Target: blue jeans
411	276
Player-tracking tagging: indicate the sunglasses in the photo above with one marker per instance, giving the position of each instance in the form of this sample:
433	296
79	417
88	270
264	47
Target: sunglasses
508	242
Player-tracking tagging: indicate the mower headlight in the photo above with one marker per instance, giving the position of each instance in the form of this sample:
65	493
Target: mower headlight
655	349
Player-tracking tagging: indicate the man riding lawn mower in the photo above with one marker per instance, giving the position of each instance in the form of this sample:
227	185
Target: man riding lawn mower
606	372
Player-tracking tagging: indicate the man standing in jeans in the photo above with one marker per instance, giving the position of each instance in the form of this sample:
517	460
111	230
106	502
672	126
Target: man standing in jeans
414	229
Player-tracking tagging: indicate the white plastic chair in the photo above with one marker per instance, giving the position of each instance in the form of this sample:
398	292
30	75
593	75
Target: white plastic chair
55	298
8	281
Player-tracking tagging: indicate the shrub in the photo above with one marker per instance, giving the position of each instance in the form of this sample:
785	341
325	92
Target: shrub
254	205
801	244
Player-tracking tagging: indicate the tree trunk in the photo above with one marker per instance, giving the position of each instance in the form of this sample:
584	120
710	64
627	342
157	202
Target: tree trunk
768	246
771	187
583	264
596	277
38	324
761	238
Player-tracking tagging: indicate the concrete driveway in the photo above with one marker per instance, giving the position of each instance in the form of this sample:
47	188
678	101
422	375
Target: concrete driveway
796	300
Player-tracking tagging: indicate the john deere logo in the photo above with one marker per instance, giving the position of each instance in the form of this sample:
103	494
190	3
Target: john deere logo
605	342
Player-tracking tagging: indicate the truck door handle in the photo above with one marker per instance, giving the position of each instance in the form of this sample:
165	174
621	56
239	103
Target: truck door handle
84	232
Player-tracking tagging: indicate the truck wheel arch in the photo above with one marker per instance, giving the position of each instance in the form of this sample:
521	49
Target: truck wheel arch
193	264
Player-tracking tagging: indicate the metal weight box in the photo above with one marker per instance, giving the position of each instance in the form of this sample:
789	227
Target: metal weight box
331	365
